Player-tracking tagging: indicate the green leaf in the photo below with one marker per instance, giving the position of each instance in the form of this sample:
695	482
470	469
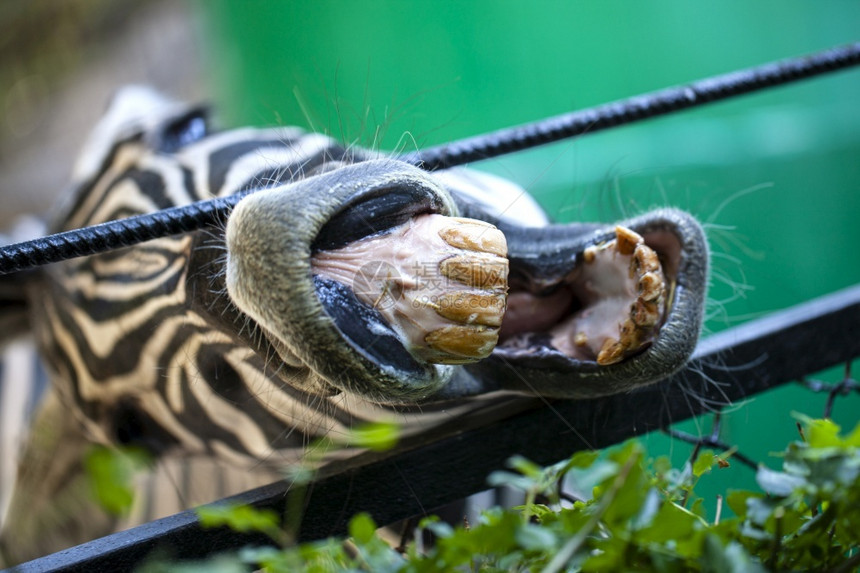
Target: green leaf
271	558
501	478
777	483
242	518
648	511
731	558
525	466
759	509
822	433
853	439
610	556
111	472
538	510
362	528
438	528
583	459
535	538
698	507
630	496
737	501
662	465
671	522
379	436
588	478
704	463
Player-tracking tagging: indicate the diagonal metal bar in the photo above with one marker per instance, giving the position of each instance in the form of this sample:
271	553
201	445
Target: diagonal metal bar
634	109
728	366
133	230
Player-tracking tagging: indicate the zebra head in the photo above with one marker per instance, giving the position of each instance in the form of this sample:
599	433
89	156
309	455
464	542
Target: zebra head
480	292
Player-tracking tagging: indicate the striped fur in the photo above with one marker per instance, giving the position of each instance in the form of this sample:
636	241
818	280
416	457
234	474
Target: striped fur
131	348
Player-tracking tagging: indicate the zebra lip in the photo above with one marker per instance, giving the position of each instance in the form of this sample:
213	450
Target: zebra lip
365	328
316	327
374	213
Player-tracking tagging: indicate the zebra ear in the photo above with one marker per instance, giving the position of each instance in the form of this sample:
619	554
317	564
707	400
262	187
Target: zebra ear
139	113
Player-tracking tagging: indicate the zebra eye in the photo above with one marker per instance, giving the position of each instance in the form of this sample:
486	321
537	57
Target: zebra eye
182	131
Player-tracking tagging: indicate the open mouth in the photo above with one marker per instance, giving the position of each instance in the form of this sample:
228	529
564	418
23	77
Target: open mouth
607	308
441	282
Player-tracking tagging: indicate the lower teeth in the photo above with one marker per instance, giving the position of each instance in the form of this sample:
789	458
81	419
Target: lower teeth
623	291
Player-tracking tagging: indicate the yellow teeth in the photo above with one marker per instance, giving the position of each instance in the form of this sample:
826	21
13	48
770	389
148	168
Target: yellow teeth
458	343
440	282
645	314
477	270
475	235
477	312
645	259
641	303
651	285
611	352
626	240
472	308
589	254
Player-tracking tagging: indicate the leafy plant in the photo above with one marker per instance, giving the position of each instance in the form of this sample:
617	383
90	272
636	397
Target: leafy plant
111	472
642	515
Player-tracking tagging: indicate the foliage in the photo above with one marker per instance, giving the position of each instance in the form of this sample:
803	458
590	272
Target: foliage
111	473
643	515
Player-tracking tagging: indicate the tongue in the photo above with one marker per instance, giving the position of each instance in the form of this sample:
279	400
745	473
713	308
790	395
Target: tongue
530	313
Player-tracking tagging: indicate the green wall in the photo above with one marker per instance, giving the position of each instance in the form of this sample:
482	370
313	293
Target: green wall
775	175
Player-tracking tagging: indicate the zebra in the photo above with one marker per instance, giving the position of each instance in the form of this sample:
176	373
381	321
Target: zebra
348	287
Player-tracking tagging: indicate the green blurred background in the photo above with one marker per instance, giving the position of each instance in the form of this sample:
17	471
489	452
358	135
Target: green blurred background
775	176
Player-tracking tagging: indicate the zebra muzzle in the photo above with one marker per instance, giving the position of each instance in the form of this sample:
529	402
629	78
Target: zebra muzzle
369	276
342	272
